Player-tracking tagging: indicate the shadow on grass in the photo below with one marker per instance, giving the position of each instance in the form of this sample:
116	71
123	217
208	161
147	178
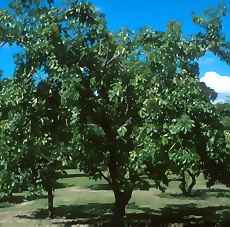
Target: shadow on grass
73	175
205	193
85	211
92	213
5	205
187	213
60	185
200	194
15	199
100	187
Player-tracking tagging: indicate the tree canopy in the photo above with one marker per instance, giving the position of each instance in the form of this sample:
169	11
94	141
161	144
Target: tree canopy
127	107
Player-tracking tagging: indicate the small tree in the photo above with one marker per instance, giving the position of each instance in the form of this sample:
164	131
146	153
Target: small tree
32	135
10	180
187	165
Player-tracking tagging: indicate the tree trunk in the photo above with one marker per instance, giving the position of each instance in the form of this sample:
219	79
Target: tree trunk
187	189
121	201
50	203
182	185
193	183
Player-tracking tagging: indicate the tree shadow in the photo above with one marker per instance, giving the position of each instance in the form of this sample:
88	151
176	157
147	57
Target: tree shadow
5	205
59	185
73	175
200	194
93	213
84	211
15	199
207	192
189	213
100	187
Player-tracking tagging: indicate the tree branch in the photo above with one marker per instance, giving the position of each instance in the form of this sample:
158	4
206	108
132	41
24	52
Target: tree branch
105	177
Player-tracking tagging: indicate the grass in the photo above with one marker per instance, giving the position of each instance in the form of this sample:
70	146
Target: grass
78	196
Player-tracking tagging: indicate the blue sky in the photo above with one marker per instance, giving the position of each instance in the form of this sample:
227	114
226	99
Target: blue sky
136	14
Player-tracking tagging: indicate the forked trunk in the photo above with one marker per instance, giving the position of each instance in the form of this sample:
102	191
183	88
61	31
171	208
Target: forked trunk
185	186
193	181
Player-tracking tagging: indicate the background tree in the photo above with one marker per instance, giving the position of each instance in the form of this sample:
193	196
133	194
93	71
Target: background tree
33	133
36	123
8	180
184	111
189	170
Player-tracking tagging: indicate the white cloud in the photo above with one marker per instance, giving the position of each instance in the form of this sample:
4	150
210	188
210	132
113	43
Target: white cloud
221	84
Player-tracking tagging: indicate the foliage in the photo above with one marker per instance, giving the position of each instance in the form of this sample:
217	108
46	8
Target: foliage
131	104
36	129
185	120
224	110
33	132
208	91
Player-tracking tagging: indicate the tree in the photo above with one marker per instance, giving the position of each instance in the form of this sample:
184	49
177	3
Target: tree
9	182
189	170
184	111
36	128
33	133
208	91
224	110
134	100
145	111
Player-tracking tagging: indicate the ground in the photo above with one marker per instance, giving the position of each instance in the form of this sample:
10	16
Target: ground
80	198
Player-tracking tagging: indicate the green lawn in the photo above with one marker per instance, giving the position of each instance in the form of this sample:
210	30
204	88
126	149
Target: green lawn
79	197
